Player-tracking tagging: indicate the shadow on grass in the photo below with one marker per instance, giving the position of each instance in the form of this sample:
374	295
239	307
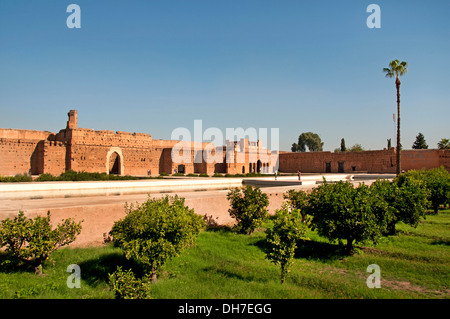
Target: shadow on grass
310	249
220	229
95	271
225	273
444	242
14	266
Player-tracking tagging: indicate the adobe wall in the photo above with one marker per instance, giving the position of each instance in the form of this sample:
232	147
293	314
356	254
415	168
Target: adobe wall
89	151
382	161
311	162
420	159
21	151
53	157
444	159
190	156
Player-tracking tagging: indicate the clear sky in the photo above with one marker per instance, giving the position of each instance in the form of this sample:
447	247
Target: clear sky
297	65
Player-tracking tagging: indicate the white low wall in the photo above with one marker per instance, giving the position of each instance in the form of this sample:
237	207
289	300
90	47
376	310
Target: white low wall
93	188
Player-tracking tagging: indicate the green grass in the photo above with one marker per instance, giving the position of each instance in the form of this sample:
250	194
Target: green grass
415	263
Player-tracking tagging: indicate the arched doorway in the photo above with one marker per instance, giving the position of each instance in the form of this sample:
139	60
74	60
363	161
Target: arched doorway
258	166
114	164
114	161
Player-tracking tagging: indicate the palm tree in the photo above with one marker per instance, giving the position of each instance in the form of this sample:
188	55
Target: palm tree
397	69
444	144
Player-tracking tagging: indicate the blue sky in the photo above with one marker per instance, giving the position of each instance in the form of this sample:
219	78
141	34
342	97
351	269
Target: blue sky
153	66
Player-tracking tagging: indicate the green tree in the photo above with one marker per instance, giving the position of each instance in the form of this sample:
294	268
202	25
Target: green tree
310	140
356	148
298	199
397	69
155	231
420	143
343	148
248	207
32	241
436	181
282	238
444	144
341	211
406	201
126	286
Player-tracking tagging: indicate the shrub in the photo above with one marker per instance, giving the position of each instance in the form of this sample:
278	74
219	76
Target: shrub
406	199
18	178
46	177
156	231
282	238
248	207
341	211
126	286
74	176
178	174
298	199
33	240
437	182
386	192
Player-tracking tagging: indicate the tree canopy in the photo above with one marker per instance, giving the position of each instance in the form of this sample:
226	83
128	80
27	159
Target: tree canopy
420	143
310	140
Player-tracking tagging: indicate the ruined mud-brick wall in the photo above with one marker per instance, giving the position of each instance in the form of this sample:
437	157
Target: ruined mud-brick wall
90	151
21	151
162	156
53	157
308	162
444	159
425	159
244	157
190	155
382	161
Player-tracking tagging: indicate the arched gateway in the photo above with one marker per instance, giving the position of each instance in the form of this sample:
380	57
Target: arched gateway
114	161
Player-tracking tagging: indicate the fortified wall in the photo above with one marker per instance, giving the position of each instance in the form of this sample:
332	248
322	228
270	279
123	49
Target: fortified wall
382	161
124	153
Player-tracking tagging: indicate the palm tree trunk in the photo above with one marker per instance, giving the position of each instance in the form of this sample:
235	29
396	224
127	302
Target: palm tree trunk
397	85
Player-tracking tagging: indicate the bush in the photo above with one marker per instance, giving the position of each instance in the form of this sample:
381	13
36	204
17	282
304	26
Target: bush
282	238
406	201
126	286
436	181
74	176
341	211
18	178
249	207
32	241
46	177
298	199
156	231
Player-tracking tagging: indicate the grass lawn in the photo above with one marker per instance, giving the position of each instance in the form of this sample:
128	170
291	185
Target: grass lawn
414	264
